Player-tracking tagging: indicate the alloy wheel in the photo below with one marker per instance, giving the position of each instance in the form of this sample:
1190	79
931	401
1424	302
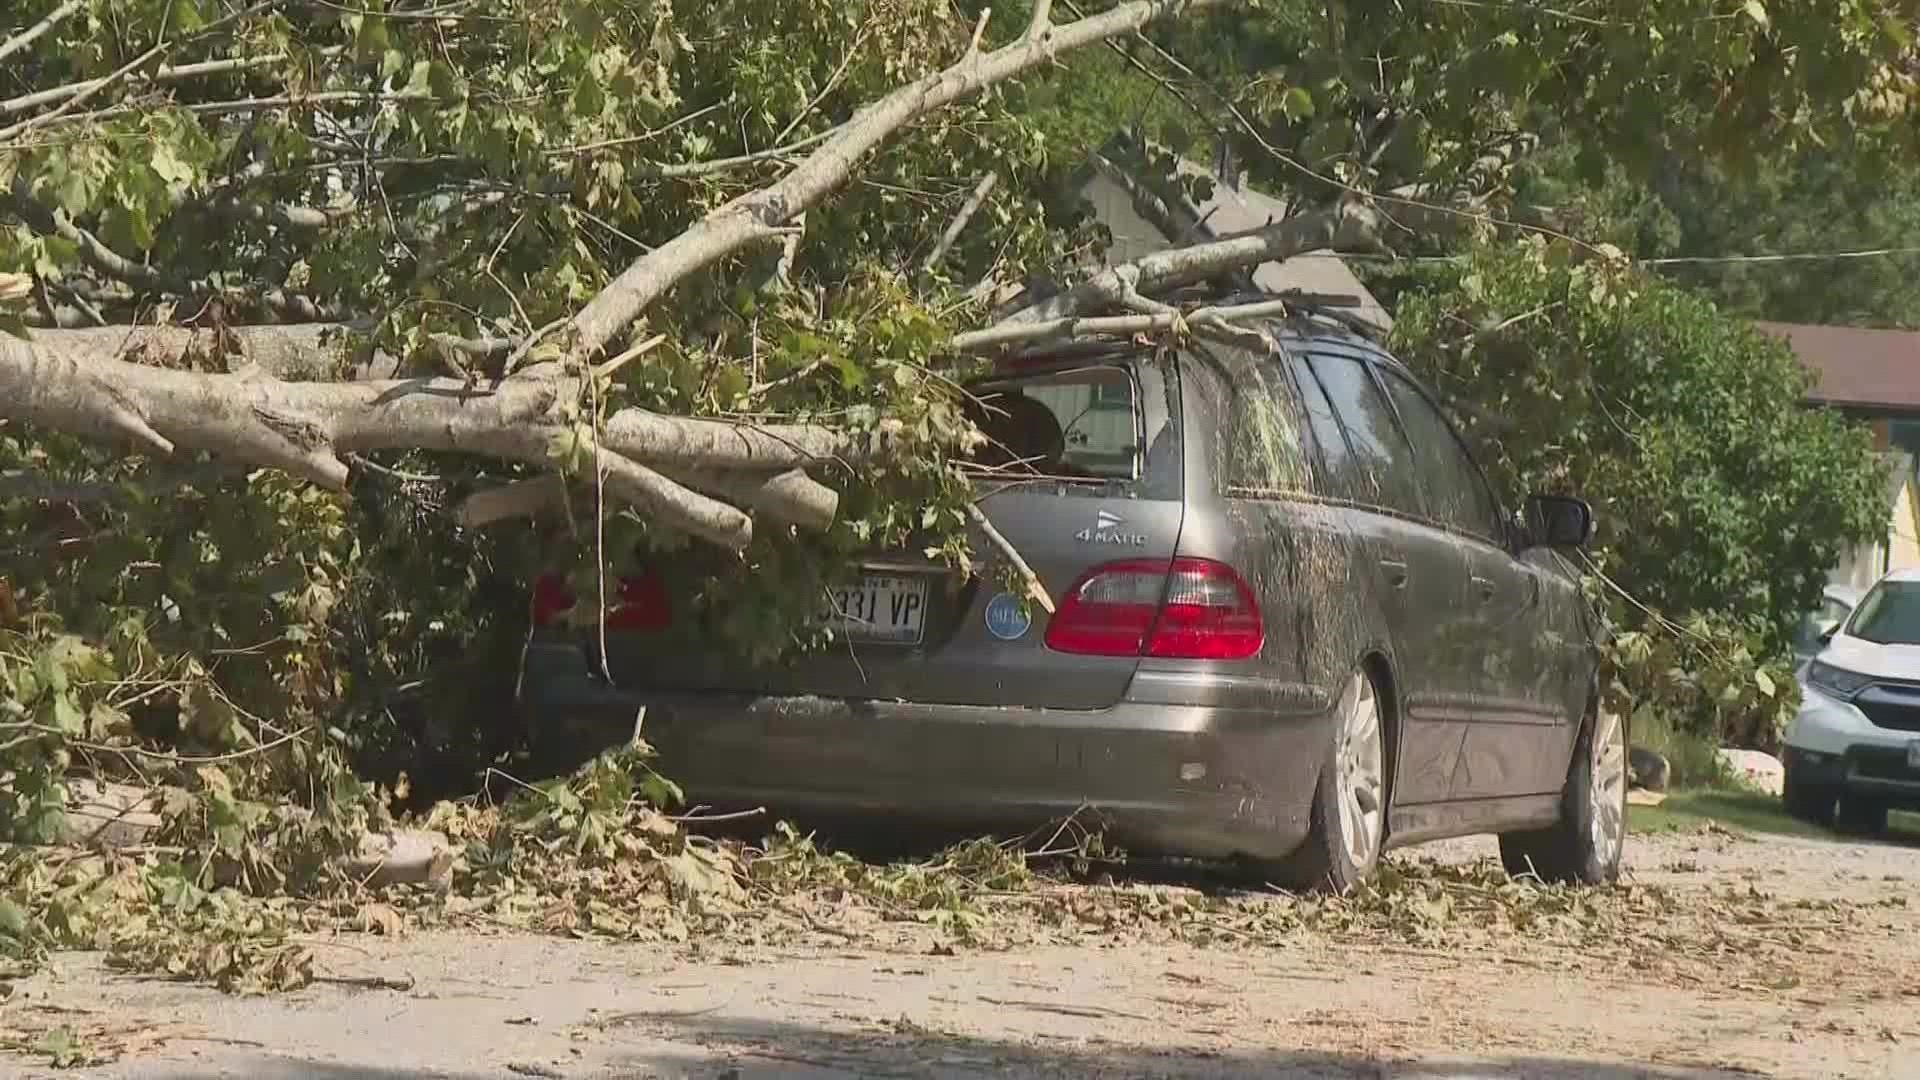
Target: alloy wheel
1362	757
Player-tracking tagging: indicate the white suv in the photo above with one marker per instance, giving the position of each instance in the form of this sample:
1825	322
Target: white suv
1853	752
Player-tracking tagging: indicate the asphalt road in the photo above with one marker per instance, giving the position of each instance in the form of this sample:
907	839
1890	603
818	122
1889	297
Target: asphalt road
1784	957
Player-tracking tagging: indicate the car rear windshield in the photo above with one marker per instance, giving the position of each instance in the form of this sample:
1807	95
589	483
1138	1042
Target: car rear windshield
1890	615
1078	424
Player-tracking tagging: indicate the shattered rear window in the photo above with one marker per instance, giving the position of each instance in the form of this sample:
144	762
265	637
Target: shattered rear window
1080	424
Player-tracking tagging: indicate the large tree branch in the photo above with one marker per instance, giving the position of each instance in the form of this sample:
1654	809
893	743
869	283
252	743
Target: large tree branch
143	277
959	223
1348	226
95	251
163	74
33	33
121	73
83	383
759	216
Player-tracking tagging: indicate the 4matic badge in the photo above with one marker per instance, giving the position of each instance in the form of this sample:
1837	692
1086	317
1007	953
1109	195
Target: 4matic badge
1106	530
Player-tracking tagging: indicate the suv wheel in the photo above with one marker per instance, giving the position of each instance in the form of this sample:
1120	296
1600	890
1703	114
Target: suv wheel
1349	815
1867	817
1585	846
1810	802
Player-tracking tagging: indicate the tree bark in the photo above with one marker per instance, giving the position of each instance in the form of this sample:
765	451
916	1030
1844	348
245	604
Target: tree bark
76	381
1349	226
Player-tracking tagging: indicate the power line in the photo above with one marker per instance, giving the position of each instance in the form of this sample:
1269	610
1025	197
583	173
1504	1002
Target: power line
1799	256
1672	260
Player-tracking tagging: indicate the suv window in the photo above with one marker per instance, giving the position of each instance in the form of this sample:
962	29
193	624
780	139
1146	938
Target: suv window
1456	491
1383	470
1078	424
1890	614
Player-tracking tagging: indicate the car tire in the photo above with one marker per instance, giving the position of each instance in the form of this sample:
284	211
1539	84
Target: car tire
1347	826
1584	847
1809	802
1862	816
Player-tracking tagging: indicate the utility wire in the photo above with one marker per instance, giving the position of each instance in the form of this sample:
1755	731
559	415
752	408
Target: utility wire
1673	260
1799	256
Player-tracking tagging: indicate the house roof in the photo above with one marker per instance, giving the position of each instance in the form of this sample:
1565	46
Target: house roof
1876	370
1232	208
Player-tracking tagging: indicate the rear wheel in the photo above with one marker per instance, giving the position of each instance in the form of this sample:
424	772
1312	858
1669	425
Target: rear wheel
1584	847
1349	815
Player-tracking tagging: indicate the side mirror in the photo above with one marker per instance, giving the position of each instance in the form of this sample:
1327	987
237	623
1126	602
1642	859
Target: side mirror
1558	521
1827	629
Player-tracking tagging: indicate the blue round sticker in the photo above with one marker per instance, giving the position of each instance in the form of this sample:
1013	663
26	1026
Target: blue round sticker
1007	617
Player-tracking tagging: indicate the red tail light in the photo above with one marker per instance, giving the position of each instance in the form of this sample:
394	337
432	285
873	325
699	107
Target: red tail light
640	603
551	599
1194	609
1210	614
1109	612
643	605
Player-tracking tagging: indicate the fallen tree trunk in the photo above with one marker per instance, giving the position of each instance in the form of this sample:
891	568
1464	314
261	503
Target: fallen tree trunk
1349	226
78	382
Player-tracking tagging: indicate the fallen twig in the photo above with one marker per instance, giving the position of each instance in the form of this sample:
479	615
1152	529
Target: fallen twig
1035	589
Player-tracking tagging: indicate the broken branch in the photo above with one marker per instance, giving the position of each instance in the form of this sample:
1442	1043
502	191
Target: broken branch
520	499
1349	226
1014	333
76	381
33	33
790	496
757	216
999	540
967	210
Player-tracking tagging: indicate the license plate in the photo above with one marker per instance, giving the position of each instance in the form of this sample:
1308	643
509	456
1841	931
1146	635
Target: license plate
881	608
1913	755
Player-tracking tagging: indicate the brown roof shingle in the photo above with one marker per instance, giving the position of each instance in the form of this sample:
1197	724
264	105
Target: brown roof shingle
1869	369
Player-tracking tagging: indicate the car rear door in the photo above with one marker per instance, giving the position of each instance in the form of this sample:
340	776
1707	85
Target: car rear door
1516	739
1082	468
1422	572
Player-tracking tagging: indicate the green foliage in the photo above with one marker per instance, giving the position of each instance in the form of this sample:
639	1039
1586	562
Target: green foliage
1382	96
1702	682
1719	495
1820	201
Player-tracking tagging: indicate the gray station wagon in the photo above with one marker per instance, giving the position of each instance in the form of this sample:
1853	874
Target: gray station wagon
1293	625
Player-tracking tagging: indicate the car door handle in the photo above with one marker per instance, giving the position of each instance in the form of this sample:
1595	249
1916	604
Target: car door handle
1396	572
1483	586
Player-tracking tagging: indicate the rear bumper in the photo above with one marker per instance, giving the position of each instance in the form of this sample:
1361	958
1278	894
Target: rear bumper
1185	779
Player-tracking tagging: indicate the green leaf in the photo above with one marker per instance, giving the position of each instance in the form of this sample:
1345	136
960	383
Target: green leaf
370	39
167	165
589	99
13	919
67	716
1297	103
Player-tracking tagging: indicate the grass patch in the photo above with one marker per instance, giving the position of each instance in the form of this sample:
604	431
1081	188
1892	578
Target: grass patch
1749	812
1743	811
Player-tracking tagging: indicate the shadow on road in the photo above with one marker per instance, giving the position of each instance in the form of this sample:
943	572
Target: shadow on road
759	1049
719	1049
